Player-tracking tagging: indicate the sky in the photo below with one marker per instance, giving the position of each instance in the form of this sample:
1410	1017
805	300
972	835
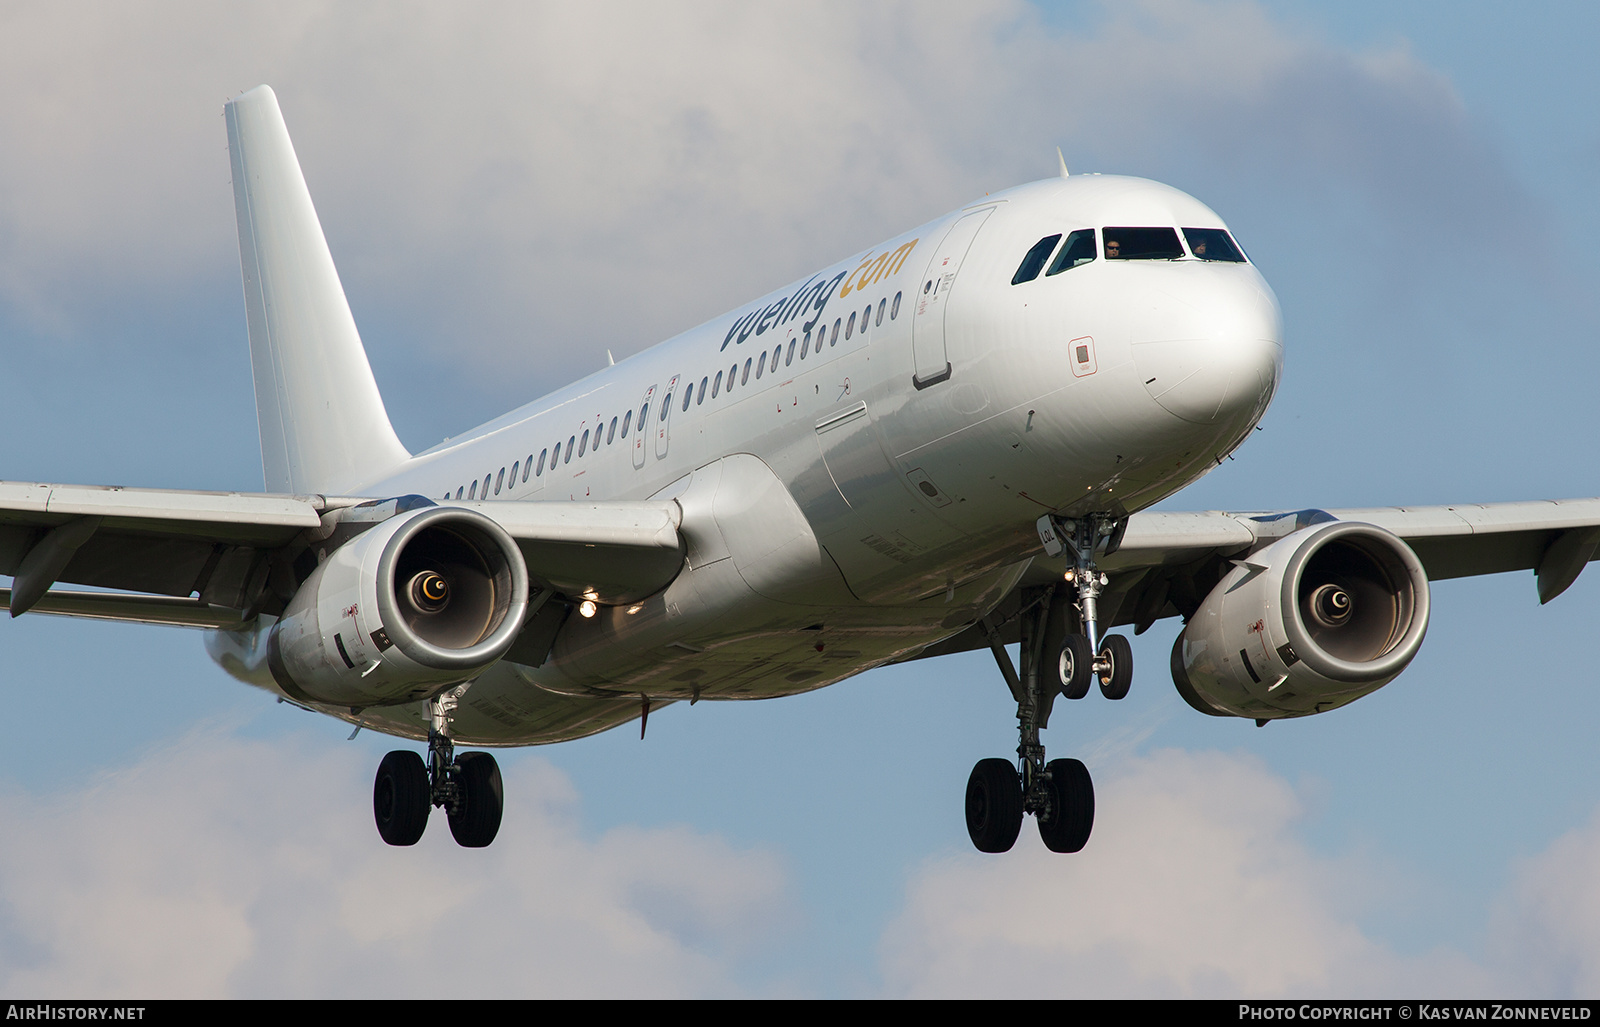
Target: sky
510	190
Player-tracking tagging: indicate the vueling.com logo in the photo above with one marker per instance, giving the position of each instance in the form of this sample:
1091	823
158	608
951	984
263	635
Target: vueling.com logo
873	268
813	296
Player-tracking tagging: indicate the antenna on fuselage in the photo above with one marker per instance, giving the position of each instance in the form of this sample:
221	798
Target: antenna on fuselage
1063	162
611	361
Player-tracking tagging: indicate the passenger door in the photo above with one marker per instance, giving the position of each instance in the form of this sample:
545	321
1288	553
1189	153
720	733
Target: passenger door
663	421
641	434
927	327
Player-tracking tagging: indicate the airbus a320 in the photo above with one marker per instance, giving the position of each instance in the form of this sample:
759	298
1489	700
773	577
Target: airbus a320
946	442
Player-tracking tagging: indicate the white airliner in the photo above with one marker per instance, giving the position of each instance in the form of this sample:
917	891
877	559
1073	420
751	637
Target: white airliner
940	444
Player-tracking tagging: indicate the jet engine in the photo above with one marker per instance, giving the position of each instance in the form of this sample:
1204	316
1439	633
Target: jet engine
420	601
1311	622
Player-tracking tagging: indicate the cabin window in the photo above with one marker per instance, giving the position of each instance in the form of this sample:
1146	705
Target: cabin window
882	304
557	458
611	433
733	372
789	357
1033	261
540	471
627	419
833	340
776	351
473	494
644	415
805	344
1078	250
500	481
458	491
516	465
666	406
866	315
701	396
1141	244
1212	244
716	386
486	479
762	365
572	440
688	395
583	443
850	328
894	311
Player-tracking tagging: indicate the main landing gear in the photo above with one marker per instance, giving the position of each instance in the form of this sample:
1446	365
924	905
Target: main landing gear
467	786
1060	794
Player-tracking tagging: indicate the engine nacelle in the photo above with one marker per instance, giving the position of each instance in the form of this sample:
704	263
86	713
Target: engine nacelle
1316	620
420	601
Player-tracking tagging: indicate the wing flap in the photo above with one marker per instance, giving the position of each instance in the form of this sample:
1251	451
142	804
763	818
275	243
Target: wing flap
614	553
166	542
1160	537
218	516
1488	538
177	543
118	606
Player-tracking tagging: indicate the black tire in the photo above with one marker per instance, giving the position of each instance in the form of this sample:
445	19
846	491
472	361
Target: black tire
401	798
1074	667
1117	654
994	805
476	819
1066	827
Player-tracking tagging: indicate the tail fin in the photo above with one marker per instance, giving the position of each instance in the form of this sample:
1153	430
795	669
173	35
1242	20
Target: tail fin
323	425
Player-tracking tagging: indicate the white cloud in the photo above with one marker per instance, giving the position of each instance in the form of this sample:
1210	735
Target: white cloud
1194	885
222	866
501	181
227	867
1546	930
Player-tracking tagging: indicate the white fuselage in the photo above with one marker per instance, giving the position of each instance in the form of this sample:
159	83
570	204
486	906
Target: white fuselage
852	494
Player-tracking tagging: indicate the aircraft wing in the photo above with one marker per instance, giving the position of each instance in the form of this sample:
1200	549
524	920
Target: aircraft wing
1554	538
1167	562
212	559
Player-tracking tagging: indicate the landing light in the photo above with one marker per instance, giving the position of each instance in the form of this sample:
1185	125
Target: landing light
587	607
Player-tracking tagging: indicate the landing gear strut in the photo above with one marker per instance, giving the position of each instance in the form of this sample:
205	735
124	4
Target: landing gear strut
467	786
1060	794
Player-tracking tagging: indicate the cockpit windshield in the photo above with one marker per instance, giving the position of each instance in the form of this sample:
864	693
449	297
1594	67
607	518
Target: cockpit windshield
1078	250
1141	244
1212	244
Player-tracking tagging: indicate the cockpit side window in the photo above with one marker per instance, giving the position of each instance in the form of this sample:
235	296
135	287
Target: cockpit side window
1033	263
1142	244
1212	244
1078	250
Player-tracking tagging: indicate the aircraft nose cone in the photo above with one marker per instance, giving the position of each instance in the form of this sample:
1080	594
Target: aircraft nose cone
1211	351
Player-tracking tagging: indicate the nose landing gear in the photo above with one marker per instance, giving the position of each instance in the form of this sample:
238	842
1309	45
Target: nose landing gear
1060	794
1088	656
468	786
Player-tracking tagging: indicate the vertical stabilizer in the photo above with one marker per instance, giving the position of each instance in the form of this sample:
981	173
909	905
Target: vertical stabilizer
323	425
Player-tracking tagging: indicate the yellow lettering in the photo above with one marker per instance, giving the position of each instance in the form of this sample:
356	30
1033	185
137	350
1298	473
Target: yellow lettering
873	273
898	257
845	291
